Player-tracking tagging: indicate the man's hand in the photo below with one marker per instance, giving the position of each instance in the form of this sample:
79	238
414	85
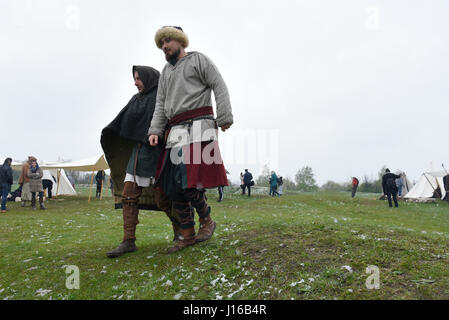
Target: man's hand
225	127
153	140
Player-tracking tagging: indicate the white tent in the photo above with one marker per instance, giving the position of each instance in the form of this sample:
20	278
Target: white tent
90	164
427	185
64	187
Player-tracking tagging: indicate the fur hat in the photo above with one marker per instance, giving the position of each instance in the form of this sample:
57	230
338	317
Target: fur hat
175	33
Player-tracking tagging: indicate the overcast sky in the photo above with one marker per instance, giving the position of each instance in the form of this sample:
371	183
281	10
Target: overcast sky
342	86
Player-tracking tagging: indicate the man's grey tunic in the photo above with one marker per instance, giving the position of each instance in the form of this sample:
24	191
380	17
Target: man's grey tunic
187	86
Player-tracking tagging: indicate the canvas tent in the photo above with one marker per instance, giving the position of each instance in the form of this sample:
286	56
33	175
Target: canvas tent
90	164
427	186
64	187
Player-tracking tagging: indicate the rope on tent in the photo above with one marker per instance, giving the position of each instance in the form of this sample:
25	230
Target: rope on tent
432	184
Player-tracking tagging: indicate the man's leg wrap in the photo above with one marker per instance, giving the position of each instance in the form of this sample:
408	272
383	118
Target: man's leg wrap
184	213
198	200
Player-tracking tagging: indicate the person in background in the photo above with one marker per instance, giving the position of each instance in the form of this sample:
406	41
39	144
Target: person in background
273	184
242	183
5	181
35	175
220	191
247	182
389	187
281	185
355	184
99	178
24	181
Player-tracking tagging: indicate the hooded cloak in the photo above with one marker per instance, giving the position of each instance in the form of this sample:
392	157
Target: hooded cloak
127	133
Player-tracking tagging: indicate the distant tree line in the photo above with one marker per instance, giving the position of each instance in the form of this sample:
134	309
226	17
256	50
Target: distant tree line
305	181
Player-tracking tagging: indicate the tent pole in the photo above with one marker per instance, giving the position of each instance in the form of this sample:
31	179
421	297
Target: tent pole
91	183
58	178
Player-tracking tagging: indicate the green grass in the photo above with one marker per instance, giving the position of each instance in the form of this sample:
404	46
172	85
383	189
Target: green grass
292	247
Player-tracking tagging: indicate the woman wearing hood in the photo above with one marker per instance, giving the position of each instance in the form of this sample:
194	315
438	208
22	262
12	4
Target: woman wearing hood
35	175
133	161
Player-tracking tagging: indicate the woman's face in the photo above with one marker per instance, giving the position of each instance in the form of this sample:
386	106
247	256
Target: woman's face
33	164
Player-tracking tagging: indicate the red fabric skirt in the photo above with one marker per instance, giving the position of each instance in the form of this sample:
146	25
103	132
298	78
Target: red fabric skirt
197	165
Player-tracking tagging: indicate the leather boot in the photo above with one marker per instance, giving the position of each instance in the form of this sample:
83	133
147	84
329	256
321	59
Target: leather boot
130	220
188	240
124	247
206	230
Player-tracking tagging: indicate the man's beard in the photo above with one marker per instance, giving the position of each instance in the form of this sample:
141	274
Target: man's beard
172	58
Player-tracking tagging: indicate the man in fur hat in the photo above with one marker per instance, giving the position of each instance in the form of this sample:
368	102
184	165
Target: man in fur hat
191	159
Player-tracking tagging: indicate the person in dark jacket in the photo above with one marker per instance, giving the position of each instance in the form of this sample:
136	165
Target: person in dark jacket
389	187
99	178
247	181
5	181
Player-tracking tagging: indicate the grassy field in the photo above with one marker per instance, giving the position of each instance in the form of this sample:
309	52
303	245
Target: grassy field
298	246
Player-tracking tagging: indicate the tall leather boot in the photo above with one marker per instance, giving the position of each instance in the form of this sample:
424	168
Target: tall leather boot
130	221
130	201
188	239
